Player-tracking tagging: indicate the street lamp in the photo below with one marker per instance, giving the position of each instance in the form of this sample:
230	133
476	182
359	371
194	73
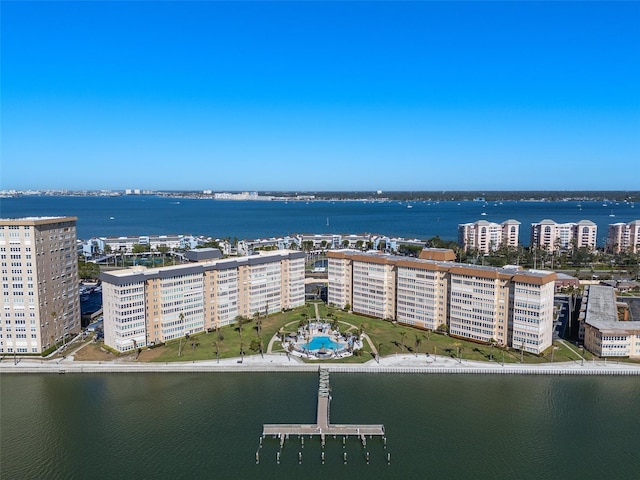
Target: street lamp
581	355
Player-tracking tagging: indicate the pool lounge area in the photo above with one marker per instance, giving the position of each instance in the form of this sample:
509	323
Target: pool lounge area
317	341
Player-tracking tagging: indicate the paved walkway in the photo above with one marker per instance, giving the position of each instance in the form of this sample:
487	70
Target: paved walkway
405	363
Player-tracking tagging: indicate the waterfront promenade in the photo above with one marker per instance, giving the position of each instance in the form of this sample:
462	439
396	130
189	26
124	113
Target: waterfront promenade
280	362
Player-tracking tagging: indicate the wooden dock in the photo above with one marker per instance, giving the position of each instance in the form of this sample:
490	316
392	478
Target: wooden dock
323	426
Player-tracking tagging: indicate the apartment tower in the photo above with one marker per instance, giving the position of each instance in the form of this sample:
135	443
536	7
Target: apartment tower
624	237
488	236
553	236
41	303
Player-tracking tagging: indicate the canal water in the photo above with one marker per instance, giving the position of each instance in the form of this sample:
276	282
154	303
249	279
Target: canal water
171	425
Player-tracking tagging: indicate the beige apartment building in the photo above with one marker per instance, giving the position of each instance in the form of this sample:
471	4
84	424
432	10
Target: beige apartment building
488	236
145	306
604	334
553	236
624	237
512	307
41	303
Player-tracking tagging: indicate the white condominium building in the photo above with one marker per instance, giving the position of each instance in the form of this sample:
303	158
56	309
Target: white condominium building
373	280
488	236
554	236
340	277
421	292
512	307
41	303
144	306
509	306
531	310
479	304
624	237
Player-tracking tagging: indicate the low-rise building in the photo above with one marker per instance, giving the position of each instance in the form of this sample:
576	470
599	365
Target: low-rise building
604	335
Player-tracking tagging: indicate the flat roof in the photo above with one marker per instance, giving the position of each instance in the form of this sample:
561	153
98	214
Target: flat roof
537	277
36	220
602	313
140	274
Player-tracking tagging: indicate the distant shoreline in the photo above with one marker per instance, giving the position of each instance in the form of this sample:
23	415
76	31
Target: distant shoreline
311	196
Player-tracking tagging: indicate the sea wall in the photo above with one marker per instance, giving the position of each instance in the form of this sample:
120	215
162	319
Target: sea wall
616	370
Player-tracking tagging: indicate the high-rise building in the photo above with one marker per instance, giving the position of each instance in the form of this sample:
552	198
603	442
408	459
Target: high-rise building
553	236
624	237
146	306
510	306
488	236
41	303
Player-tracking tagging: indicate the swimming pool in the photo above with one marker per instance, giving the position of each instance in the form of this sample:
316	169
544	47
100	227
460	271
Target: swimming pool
316	343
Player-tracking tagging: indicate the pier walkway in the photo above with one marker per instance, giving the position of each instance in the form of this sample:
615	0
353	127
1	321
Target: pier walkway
322	426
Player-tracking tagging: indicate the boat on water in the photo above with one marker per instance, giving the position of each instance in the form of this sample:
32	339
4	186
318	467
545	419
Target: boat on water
483	213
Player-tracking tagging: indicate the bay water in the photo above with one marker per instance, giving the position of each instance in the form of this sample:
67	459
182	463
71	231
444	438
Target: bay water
170	425
150	215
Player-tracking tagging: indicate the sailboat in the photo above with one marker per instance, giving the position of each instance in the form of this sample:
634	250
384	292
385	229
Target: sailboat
612	214
327	221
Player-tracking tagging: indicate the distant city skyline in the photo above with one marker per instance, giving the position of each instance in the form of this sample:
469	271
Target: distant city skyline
320	96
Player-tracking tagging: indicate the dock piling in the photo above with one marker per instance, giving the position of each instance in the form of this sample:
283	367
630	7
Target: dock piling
322	427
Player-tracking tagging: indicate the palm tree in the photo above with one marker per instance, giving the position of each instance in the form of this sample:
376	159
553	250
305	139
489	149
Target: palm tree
553	350
458	345
402	335
215	344
181	318
418	342
492	342
378	354
240	319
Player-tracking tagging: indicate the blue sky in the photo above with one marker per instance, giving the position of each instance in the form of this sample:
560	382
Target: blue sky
320	95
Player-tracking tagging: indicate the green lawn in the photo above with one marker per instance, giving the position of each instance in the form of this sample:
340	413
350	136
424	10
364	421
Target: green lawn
391	339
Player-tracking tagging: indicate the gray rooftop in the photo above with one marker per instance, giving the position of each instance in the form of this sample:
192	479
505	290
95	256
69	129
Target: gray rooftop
602	313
